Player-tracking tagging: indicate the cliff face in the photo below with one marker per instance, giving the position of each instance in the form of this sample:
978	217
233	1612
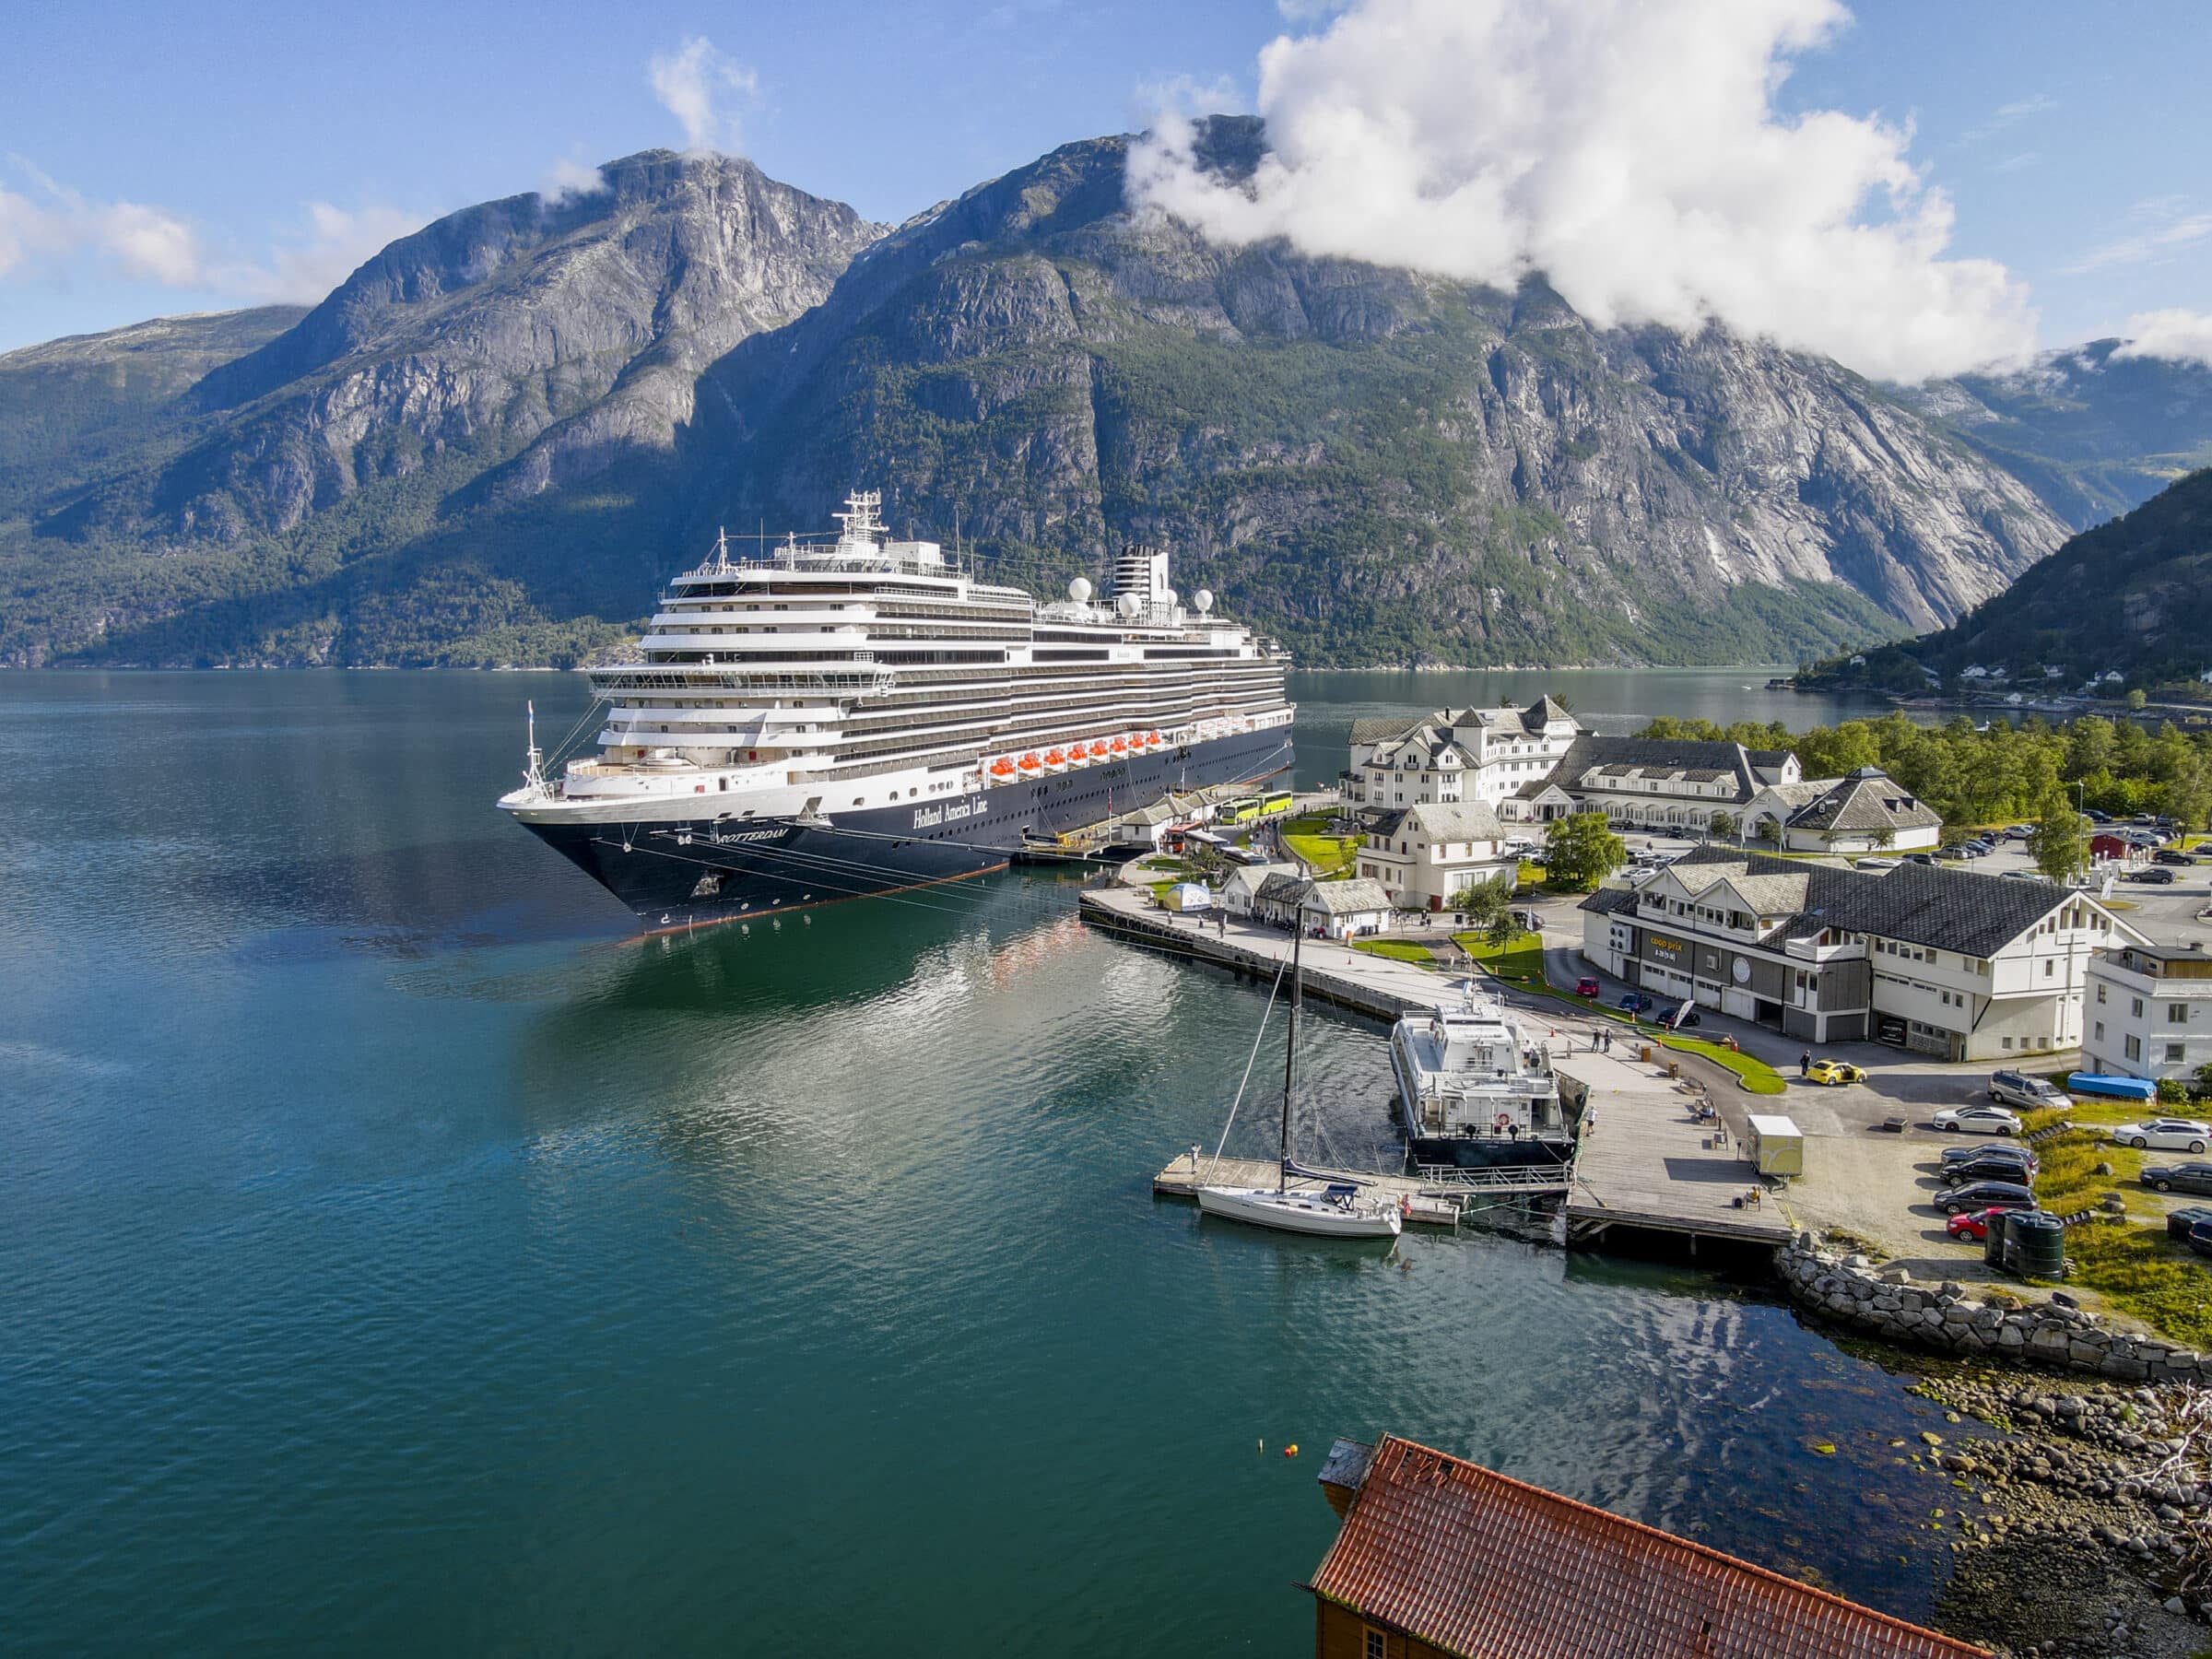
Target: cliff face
1383	465
502	433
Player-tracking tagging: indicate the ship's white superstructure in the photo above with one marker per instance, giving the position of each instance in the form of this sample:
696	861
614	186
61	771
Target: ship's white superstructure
1468	1070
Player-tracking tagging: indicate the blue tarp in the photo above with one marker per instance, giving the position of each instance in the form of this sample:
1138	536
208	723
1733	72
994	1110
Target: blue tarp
2125	1088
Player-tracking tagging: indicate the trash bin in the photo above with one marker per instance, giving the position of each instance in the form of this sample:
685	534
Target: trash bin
1993	1243
2035	1245
1674	1068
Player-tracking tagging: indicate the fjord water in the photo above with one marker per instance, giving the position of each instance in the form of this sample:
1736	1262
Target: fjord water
395	1254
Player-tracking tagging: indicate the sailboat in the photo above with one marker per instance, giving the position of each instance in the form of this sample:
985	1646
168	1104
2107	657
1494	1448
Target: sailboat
1335	1211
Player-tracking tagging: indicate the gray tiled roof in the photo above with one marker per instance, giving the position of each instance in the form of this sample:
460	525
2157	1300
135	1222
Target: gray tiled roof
1457	820
1861	802
1659	757
1922	904
1385	730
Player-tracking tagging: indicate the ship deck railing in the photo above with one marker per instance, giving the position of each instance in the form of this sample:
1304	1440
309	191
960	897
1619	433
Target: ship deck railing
1497	1179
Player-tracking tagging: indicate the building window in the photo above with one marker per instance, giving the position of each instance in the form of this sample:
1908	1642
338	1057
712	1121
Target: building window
2177	1013
2174	1054
2135	1048
2008	1042
2101	993
2134	1006
2050	967
2101	1030
1374	1646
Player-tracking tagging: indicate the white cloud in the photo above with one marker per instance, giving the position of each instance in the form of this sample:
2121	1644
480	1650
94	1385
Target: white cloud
2014	163
56	222
571	178
2181	337
692	82
2004	115
1187	96
305	267
1631	152
2161	225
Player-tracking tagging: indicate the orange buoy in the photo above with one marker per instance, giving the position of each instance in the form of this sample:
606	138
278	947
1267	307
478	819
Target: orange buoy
1290	1451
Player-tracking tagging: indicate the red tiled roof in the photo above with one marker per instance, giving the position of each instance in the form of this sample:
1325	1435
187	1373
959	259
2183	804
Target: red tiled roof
1491	1567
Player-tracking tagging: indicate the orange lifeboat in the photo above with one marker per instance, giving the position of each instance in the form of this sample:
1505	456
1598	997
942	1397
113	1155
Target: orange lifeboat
1055	758
1119	744
1002	767
1097	750
1030	763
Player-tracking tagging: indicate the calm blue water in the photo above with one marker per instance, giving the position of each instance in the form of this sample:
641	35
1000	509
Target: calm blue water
395	1255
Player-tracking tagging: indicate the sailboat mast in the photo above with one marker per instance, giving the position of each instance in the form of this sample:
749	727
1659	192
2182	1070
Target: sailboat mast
1298	988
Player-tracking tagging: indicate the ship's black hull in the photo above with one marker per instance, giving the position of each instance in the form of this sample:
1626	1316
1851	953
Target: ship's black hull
714	869
1486	1152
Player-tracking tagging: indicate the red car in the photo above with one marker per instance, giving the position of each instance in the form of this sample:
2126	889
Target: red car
1585	986
1972	1224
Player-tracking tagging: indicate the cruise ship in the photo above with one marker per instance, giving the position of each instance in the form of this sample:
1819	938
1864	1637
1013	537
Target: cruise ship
830	721
1475	1092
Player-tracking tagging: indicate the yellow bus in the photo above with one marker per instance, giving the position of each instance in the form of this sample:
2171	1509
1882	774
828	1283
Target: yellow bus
1280	802
1239	812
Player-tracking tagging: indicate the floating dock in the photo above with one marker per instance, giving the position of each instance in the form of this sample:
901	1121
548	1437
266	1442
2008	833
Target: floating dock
1428	1203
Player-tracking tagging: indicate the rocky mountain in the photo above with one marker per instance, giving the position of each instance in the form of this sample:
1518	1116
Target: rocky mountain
2132	594
495	439
2094	432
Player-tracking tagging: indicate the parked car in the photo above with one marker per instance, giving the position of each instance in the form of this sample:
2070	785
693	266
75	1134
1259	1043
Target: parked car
1988	1168
2157	876
2168	1134
1889	1028
1875	862
2179	1223
1920	858
1972	1224
2025	1089
1834	1072
1688	1017
2096	817
2019	831
1585	986
2024	875
2200	1238
2174	855
1985	1195
2002	1151
2179	1177
1975	849
1955	853
1977	1120
1636	1002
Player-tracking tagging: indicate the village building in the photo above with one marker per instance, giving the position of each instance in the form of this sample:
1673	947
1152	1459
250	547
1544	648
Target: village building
1948	963
1341	910
1868	812
1438	1557
1240	888
1465	755
1668	784
2151	1011
1424	856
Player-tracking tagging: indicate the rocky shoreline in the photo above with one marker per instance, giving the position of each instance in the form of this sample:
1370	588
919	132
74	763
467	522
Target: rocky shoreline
2082	1523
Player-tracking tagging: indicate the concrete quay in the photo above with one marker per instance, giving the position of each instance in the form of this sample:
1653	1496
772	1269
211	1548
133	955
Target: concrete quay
1645	1161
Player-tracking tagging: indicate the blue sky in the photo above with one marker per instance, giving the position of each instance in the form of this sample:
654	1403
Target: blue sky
2071	139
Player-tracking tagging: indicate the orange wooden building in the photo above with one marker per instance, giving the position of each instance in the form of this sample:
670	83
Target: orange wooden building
1438	1557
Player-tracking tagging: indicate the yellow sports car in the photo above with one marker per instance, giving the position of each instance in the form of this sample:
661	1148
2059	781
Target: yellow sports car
1835	1071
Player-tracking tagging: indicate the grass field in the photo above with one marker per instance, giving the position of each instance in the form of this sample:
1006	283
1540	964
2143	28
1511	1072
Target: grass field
1396	950
2131	1264
1328	855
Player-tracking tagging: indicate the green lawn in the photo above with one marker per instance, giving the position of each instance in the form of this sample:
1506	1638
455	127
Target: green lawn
1522	961
1396	950
2131	1264
1326	855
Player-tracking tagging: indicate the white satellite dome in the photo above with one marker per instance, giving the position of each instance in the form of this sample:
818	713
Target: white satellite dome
1203	601
1129	605
1079	590
1174	599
